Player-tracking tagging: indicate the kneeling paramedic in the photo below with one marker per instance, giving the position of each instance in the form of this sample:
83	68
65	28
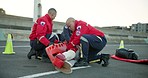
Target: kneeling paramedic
90	40
41	35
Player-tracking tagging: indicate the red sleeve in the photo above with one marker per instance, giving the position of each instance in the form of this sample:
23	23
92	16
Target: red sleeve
41	32
80	30
33	32
75	38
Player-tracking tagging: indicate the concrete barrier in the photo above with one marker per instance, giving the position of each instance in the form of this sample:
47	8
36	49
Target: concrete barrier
20	28
18	35
23	35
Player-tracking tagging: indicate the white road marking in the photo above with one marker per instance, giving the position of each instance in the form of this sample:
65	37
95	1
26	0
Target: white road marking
49	73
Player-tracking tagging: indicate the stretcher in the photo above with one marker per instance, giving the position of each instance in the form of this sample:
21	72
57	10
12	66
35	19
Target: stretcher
139	61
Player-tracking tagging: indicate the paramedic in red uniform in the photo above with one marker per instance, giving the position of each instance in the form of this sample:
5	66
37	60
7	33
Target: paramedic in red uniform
41	35
90	39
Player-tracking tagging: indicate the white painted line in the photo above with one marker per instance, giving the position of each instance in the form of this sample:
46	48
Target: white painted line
49	73
75	68
40	74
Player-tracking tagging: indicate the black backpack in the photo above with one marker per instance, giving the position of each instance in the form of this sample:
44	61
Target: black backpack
126	53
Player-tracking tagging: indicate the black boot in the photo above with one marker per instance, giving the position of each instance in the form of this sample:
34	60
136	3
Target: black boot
81	62
105	58
31	53
38	55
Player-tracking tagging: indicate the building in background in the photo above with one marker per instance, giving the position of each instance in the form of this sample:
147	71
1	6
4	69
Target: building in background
140	27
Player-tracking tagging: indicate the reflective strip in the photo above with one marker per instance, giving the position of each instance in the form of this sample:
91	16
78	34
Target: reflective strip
35	22
53	34
99	38
84	39
72	43
94	61
81	53
41	37
57	37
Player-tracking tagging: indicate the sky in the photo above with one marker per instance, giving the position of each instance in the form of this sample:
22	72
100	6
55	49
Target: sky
95	12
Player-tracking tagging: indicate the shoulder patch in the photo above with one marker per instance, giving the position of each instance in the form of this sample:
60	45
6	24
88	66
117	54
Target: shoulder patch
42	23
79	27
78	33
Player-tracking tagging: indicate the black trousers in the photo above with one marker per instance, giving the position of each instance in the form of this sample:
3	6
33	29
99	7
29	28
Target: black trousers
39	47
91	46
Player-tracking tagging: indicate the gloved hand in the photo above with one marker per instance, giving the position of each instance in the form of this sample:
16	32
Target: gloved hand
68	55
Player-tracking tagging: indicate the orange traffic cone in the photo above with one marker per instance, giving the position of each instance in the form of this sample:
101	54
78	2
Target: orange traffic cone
9	45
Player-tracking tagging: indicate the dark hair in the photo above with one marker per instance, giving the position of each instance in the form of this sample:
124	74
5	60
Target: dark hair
52	9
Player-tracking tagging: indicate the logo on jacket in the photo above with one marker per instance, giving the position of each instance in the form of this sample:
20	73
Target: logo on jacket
79	27
78	31
42	23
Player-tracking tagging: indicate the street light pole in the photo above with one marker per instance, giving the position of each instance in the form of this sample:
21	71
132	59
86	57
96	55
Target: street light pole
37	10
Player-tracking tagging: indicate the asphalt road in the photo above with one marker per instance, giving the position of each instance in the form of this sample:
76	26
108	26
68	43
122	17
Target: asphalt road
18	66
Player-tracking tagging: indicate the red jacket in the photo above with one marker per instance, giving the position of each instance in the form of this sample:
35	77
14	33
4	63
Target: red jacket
42	27
80	29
